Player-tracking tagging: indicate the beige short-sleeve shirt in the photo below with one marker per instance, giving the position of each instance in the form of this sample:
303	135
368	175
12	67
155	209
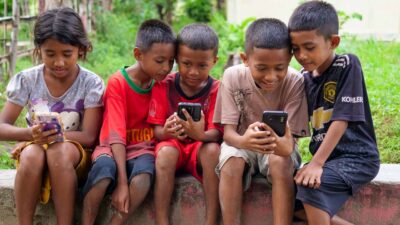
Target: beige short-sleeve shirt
240	102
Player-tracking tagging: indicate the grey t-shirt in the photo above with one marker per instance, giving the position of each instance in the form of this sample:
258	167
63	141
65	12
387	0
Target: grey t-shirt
28	88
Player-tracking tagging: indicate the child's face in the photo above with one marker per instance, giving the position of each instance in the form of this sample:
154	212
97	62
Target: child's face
268	66
313	51
194	66
156	62
59	59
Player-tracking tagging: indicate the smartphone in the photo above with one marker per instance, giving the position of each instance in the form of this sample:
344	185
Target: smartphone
50	121
276	120
194	109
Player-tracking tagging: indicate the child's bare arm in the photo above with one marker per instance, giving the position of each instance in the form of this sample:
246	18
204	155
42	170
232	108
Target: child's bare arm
9	132
310	174
120	196
254	139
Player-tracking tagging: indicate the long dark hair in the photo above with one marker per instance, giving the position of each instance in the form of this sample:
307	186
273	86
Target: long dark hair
64	25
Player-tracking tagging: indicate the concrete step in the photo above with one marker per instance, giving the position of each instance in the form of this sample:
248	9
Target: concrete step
376	203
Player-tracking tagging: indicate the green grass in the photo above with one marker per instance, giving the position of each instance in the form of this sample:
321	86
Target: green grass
381	64
5	158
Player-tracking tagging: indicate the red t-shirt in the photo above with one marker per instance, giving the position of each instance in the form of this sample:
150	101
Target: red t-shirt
126	107
167	94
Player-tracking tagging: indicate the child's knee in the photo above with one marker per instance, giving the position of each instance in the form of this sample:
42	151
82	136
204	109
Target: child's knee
233	167
280	166
141	181
33	157
102	184
63	155
166	158
211	149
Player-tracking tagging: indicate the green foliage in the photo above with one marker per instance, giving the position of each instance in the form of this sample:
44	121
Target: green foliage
113	44
9	8
137	10
303	149
5	159
345	17
231	39
199	10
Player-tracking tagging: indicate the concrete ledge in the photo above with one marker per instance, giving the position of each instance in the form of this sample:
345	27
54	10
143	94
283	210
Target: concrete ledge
376	203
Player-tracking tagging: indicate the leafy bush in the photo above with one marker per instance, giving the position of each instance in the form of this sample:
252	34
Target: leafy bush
113	43
5	160
345	17
199	10
231	39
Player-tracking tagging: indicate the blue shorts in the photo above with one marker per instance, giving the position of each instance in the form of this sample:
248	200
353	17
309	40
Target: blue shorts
331	195
105	167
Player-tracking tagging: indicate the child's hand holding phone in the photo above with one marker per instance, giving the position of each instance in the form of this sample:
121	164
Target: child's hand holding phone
257	139
193	111
192	120
48	128
276	123
173	128
276	120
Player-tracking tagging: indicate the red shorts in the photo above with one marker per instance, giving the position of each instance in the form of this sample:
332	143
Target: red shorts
187	160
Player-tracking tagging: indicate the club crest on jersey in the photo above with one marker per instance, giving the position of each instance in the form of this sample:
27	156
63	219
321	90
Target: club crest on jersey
330	91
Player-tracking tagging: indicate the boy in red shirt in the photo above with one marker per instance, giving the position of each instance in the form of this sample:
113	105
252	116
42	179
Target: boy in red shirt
123	163
188	145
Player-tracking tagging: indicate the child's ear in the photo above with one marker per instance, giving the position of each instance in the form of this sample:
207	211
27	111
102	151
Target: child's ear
137	53
80	53
244	58
215	60
335	41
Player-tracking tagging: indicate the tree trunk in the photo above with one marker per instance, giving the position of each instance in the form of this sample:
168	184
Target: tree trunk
14	37
220	4
165	10
160	11
51	4
25	8
89	11
42	6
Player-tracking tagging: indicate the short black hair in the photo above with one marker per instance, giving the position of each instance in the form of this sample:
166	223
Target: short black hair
267	33
198	37
315	15
64	25
154	31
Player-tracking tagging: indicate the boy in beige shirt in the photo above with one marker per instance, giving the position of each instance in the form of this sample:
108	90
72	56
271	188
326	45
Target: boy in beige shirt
264	82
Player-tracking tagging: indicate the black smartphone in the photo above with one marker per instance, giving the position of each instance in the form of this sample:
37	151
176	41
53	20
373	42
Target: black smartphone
276	120
194	110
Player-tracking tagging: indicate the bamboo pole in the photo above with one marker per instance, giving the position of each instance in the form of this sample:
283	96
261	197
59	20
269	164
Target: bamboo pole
3	67
14	37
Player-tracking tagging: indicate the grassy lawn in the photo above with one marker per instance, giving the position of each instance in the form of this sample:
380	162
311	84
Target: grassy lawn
380	61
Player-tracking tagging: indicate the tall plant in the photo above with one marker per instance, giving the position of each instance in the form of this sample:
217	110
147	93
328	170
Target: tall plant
199	10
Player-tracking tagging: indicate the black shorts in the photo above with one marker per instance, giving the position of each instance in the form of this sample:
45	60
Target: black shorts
105	167
329	197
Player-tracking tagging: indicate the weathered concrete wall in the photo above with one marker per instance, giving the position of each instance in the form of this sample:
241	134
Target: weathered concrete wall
376	203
